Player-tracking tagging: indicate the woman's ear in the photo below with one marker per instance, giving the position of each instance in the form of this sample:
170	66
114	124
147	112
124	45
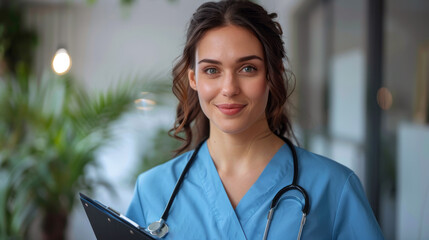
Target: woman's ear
192	79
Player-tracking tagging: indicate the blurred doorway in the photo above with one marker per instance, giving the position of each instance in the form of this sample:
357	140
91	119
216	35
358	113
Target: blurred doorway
363	97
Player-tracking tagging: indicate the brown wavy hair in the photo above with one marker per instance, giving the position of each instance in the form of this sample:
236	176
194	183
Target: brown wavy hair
191	125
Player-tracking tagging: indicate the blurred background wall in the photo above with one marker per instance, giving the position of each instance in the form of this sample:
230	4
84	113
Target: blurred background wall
362	95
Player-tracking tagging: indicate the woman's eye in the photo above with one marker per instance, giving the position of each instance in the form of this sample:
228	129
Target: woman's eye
210	71
249	69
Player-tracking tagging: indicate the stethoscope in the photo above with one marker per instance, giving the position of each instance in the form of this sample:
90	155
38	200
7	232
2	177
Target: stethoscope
160	228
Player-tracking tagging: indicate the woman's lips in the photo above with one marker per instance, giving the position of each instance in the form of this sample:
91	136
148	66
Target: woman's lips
230	109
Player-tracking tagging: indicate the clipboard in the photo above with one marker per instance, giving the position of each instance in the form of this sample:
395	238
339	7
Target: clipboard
109	224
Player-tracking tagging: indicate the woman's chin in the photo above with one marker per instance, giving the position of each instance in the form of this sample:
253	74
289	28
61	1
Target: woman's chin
232	129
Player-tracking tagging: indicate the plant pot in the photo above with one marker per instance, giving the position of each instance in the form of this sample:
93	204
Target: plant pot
54	225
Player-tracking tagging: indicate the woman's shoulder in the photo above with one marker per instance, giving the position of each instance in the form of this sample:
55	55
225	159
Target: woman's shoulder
321	165
155	185
317	172
336	193
169	170
153	189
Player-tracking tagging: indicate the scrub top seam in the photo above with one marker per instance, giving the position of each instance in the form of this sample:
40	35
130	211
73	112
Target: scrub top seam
231	215
208	191
338	204
211	206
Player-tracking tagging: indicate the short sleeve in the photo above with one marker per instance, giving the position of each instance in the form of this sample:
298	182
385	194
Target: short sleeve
354	217
135	210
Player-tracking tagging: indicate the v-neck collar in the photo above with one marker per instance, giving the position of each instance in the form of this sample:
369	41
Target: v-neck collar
273	174
222	210
229	220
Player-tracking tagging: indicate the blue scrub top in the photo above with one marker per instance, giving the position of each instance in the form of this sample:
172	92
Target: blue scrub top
201	210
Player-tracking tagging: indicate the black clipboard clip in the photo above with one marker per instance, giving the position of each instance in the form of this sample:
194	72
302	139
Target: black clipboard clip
109	224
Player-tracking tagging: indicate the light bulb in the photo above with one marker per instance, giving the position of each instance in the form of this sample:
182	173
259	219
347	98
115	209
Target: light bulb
61	63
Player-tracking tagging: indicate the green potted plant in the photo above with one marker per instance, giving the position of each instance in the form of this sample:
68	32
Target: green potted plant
49	132
50	129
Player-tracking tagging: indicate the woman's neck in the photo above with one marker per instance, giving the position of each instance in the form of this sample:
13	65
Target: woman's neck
235	153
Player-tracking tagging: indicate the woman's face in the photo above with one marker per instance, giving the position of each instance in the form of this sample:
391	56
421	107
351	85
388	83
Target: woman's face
230	78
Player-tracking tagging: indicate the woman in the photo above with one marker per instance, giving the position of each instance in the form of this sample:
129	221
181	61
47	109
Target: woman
232	91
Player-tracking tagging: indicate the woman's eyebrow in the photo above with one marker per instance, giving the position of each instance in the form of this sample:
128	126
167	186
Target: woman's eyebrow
247	58
210	61
242	59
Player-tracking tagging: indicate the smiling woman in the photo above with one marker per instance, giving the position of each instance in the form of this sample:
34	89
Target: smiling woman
233	90
230	79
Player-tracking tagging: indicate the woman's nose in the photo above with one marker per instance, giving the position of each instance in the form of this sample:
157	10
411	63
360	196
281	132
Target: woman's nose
230	86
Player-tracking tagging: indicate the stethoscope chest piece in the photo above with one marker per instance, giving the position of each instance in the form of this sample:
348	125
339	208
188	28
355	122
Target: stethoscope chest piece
158	228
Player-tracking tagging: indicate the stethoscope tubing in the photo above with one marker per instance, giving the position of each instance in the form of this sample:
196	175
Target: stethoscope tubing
293	186
179	182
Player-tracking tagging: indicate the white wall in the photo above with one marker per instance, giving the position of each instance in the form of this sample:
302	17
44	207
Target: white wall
413	182
108	42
